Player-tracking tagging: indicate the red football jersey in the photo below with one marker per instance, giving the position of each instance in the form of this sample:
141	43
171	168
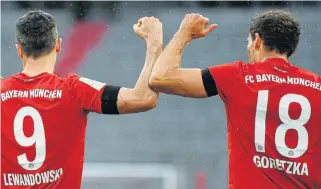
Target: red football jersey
274	134
43	123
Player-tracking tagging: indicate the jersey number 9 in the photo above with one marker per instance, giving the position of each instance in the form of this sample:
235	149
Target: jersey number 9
38	138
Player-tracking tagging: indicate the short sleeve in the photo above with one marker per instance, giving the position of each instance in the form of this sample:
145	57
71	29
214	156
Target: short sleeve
226	77
87	92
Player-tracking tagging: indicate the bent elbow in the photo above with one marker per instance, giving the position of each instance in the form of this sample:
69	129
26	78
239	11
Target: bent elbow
155	82
151	103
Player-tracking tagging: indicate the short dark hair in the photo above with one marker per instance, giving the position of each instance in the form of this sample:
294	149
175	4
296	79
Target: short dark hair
37	33
279	29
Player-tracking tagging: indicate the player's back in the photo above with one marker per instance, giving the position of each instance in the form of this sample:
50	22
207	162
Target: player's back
274	127
42	133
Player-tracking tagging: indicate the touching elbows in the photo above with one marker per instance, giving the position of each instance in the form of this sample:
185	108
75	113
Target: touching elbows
149	103
155	83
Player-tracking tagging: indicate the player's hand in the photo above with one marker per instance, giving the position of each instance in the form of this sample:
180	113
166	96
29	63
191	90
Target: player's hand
194	26
149	29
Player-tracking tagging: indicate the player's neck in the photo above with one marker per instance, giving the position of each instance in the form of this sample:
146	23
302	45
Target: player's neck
33	67
273	55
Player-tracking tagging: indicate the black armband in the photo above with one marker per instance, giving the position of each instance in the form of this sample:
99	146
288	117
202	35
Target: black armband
109	100
209	83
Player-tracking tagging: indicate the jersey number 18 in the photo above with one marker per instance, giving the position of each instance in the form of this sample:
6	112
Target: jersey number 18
287	124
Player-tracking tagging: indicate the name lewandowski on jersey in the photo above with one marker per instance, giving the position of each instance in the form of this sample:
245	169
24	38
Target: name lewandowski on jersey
11	179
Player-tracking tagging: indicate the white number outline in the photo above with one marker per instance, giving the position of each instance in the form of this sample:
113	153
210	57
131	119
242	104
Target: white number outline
287	123
38	138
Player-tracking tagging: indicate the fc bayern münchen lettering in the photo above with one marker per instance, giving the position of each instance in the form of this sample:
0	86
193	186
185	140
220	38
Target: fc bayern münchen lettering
34	93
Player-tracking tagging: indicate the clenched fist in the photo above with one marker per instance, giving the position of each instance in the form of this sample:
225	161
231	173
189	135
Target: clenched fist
149	29
194	25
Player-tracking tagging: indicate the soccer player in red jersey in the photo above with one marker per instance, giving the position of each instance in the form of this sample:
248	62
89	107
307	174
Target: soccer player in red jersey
44	117
273	107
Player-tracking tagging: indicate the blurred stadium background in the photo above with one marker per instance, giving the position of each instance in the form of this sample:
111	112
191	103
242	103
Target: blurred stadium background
182	143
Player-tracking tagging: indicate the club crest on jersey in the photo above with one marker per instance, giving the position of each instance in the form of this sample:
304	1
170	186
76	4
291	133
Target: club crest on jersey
94	84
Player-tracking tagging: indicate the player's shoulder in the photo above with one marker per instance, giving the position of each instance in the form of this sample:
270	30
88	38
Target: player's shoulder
72	76
71	80
252	65
306	72
240	67
7	83
76	81
230	70
239	64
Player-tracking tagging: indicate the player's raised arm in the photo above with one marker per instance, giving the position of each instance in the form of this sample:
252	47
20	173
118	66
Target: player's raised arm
108	99
141	98
168	77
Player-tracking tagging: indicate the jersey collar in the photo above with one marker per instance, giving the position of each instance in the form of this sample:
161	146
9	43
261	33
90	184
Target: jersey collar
279	62
23	76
